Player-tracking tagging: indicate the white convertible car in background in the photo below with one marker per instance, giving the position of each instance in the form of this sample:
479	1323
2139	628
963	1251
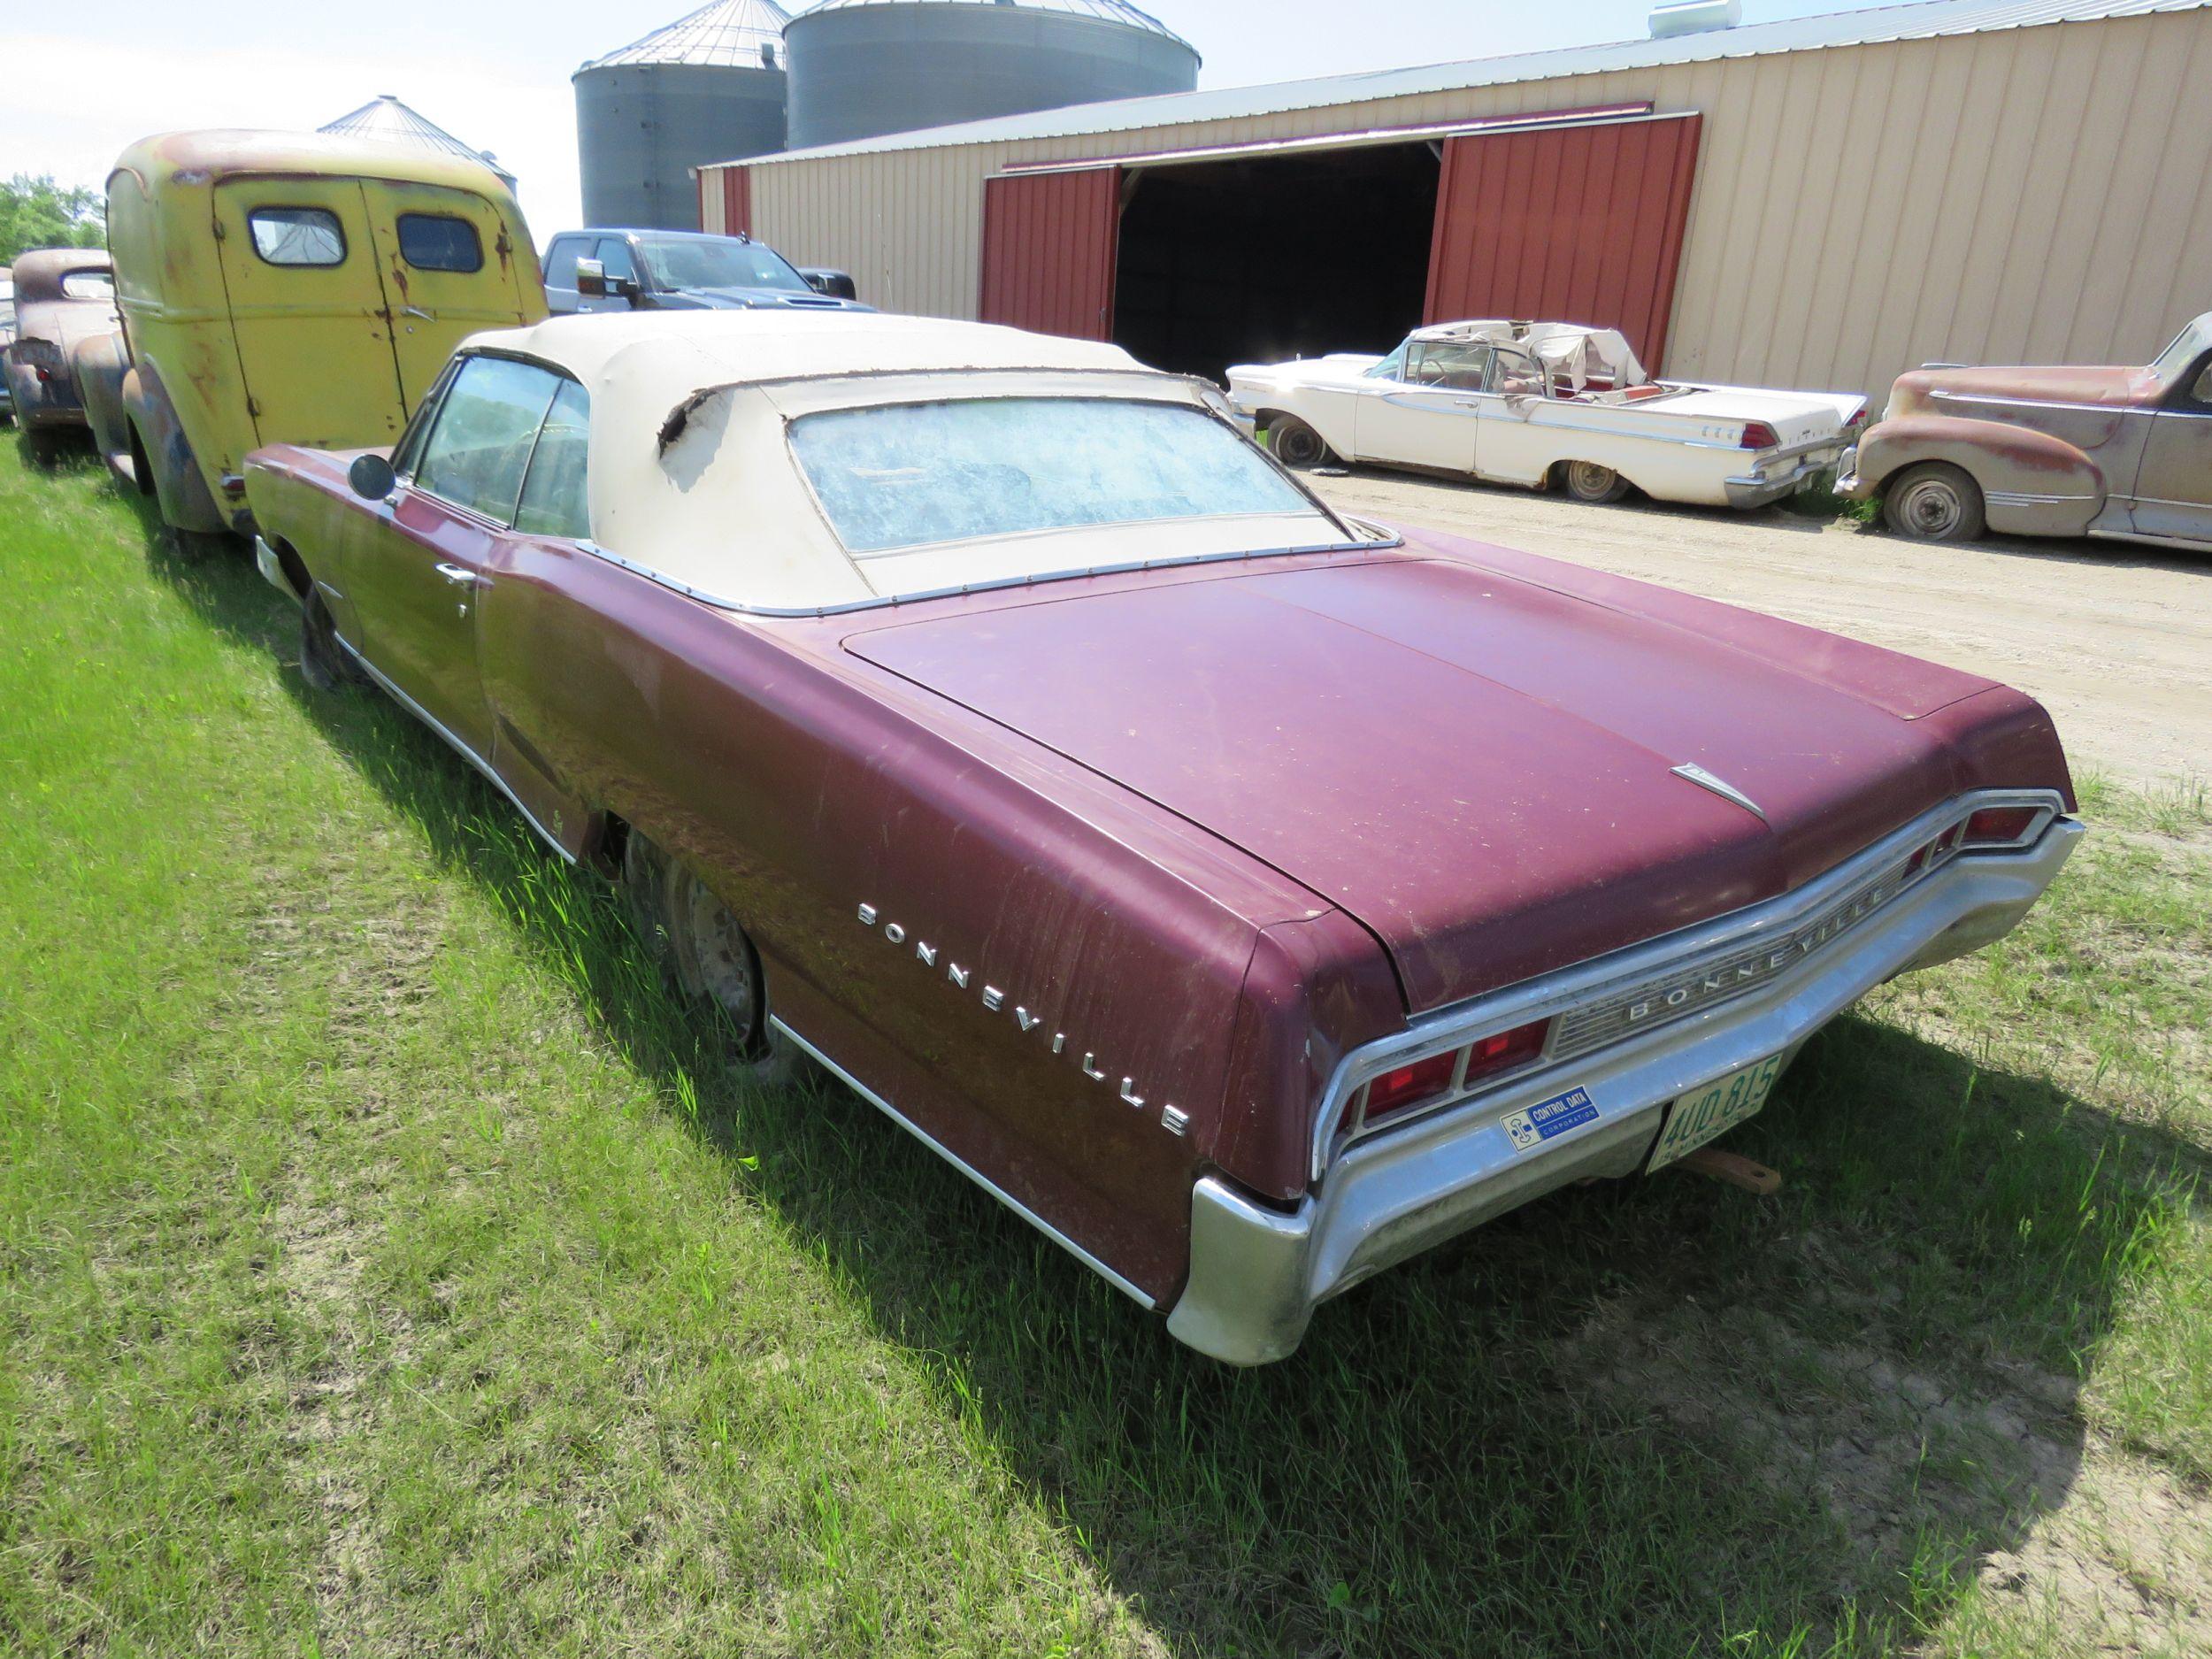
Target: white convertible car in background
1547	405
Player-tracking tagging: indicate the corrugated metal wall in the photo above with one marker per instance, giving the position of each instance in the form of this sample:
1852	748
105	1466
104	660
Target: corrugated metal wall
1580	222
2025	194
1048	245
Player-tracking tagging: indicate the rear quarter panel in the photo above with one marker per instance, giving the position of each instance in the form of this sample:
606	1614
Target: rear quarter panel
801	785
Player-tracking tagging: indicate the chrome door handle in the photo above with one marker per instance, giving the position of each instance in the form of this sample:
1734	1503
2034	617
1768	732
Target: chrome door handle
417	311
459	575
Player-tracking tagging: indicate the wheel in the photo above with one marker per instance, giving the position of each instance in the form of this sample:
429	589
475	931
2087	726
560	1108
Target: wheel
1934	502
715	963
324	663
1588	481
645	885
1295	443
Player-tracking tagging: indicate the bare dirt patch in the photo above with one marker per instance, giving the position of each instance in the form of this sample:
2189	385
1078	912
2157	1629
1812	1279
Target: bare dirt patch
2115	638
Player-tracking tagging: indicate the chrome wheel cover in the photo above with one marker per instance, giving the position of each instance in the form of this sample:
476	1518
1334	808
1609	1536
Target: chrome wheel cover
1589	481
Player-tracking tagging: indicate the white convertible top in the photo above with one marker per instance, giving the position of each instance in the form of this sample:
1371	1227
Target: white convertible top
692	475
1576	349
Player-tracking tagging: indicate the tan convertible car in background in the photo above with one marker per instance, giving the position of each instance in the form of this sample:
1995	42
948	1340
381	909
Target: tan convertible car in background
2121	453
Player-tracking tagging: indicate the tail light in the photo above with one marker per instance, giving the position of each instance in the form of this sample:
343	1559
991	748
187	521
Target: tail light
1407	1085
1502	1052
1418	1082
2000	826
1758	435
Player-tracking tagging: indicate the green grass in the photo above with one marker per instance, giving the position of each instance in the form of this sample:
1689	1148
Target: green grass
386	1265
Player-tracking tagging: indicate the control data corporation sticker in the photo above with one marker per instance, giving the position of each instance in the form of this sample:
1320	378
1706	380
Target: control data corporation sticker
1548	1118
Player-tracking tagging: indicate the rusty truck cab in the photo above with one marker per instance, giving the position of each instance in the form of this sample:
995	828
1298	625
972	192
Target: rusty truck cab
289	287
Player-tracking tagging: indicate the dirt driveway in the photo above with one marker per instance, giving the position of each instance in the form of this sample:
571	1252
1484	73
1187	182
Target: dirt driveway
2115	640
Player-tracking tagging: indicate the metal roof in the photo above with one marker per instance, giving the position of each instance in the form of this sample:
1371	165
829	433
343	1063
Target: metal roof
1104	11
1921	21
384	119
722	35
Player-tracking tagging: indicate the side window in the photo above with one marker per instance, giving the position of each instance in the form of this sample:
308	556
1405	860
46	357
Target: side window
560	262
553	499
408	449
1457	367
298	236
1518	372
2201	392
438	241
479	444
614	258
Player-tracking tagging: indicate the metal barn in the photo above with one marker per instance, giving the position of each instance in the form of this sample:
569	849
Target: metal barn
1820	201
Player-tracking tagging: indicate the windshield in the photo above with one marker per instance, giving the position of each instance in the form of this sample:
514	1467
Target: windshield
717	265
2182	352
1391	367
87	285
908	475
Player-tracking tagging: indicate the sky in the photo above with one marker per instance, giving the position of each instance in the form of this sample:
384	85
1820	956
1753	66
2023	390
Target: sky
76	96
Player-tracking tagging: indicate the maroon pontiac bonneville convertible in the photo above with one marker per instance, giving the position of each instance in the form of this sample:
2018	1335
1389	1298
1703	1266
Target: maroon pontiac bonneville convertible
1248	896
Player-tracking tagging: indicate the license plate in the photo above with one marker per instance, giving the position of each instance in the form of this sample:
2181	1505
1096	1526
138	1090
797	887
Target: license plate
1700	1114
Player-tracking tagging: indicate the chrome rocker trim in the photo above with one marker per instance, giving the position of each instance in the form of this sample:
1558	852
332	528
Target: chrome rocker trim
964	1167
1259	1271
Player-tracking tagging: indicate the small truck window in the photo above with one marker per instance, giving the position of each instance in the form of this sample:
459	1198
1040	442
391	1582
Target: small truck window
438	241
298	236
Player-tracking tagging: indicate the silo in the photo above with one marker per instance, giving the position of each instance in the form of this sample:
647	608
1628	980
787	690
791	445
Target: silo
707	88
860	68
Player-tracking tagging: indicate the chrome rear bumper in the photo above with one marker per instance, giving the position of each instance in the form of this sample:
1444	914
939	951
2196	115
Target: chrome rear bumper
1258	1272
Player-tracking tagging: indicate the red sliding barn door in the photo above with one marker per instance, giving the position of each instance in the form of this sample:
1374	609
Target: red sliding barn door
737	202
1048	245
1566	224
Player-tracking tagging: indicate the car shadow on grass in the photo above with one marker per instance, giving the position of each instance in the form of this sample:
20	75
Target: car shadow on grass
1659	1417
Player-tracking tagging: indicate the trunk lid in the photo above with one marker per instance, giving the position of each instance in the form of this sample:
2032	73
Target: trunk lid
1475	765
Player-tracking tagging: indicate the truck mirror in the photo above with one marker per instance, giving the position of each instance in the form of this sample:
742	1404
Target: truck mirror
591	279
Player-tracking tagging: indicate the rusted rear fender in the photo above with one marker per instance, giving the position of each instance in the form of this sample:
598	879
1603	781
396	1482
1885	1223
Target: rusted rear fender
2032	483
166	452
99	364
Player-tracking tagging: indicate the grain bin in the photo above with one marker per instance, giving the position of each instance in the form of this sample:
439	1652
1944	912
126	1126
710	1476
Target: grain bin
709	87
861	67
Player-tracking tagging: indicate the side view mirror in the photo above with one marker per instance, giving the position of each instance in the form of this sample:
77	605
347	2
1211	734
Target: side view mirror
591	279
372	477
837	284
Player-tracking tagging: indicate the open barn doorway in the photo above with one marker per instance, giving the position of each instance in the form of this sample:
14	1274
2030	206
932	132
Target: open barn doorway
1269	257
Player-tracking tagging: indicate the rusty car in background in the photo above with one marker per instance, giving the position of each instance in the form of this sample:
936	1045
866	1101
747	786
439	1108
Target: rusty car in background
1546	405
287	288
7	332
62	295
2123	453
1248	896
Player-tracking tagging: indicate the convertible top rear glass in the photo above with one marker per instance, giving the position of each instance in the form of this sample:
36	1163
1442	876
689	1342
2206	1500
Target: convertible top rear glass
908	475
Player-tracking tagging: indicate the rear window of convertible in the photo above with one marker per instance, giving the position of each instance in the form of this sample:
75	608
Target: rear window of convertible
906	475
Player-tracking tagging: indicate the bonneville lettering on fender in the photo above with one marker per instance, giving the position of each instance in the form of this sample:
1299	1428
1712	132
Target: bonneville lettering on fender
1172	1119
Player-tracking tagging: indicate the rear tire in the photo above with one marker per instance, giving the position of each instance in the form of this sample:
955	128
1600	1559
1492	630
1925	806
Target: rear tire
1934	502
1295	444
714	962
1586	480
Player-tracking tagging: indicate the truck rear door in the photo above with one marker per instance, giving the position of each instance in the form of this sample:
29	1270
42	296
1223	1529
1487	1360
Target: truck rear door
309	318
453	266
